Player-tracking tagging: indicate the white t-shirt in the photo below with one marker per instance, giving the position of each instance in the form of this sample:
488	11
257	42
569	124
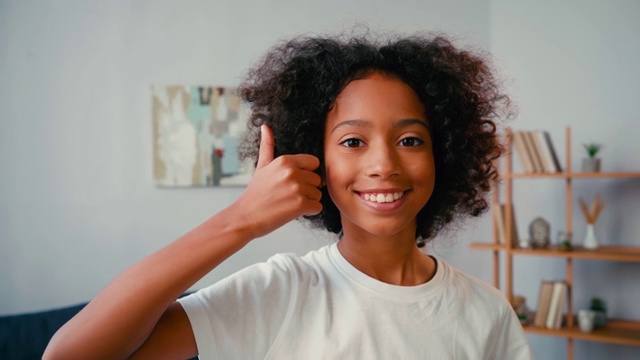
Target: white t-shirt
321	307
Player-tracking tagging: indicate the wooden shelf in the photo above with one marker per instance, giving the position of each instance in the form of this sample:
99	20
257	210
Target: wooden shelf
604	175
573	175
609	253
623	332
488	246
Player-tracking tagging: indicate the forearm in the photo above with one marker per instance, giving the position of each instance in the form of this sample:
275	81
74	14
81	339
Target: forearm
123	315
120	318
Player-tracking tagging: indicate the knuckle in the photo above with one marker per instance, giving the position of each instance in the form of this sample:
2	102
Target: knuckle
288	173
296	188
282	160
292	189
299	202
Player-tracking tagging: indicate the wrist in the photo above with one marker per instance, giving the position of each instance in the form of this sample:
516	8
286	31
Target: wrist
231	224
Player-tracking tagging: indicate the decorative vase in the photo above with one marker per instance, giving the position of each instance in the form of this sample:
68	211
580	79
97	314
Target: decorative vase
591	165
590	240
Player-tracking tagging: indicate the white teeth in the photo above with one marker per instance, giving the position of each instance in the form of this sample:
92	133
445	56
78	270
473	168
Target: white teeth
383	198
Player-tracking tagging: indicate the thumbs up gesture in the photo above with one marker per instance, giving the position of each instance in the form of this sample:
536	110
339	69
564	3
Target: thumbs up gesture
282	189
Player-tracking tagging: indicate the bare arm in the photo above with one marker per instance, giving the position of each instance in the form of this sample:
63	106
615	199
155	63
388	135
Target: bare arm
136	309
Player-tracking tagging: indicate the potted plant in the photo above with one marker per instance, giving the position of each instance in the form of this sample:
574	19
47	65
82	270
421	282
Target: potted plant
599	308
591	163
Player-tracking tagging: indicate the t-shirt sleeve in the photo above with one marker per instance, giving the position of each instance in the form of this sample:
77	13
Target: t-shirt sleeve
510	342
240	316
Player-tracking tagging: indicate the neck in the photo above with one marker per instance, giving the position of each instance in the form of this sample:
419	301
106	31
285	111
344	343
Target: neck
394	260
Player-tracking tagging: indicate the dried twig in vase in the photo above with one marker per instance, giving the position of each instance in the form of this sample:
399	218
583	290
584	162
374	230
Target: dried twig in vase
591	213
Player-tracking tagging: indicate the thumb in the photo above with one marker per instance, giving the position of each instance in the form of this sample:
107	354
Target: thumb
267	143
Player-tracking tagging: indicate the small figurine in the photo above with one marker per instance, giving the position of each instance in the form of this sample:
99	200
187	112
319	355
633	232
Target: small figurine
539	231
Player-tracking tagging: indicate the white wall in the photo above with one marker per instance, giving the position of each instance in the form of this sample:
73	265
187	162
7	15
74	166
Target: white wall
77	202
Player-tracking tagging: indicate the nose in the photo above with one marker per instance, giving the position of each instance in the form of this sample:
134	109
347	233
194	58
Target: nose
382	161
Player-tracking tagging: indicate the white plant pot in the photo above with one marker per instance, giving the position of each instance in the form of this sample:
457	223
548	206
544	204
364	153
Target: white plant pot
590	239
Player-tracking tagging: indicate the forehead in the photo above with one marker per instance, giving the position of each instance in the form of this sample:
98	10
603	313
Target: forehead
377	95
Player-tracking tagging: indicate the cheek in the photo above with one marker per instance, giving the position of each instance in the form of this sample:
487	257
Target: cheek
336	168
420	166
338	176
423	174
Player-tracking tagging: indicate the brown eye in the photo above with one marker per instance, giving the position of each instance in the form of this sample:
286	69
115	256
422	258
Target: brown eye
352	143
411	141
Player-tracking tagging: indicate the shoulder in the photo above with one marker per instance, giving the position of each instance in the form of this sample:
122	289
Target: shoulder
479	305
476	294
289	268
311	266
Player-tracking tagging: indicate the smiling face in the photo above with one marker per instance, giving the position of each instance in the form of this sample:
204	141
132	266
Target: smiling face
379	165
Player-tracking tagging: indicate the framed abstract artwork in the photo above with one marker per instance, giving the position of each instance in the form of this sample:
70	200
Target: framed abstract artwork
196	134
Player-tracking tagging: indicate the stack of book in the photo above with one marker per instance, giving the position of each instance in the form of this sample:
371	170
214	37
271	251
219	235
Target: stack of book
551	301
536	152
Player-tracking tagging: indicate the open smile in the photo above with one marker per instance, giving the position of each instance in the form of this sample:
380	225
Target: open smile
382	197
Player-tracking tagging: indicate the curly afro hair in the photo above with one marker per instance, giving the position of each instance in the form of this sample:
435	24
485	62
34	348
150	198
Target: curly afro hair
297	82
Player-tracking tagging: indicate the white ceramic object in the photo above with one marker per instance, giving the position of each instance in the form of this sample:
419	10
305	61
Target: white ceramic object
586	320
590	239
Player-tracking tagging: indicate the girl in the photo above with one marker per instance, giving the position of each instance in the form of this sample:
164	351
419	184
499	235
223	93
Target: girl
382	144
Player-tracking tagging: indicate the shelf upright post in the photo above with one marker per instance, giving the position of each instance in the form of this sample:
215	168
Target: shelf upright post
569	191
495	201
508	220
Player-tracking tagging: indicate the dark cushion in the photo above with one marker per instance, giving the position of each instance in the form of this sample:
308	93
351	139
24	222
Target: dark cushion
25	336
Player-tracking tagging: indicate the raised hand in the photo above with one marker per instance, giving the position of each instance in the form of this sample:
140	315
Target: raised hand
282	189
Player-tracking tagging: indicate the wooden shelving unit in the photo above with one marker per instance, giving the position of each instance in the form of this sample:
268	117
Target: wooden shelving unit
624	332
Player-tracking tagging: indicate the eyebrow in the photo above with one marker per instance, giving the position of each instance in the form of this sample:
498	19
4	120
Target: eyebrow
396	124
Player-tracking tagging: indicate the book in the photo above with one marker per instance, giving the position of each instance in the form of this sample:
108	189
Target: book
500	219
523	154
552	151
533	151
556	305
543	151
563	295
544	300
